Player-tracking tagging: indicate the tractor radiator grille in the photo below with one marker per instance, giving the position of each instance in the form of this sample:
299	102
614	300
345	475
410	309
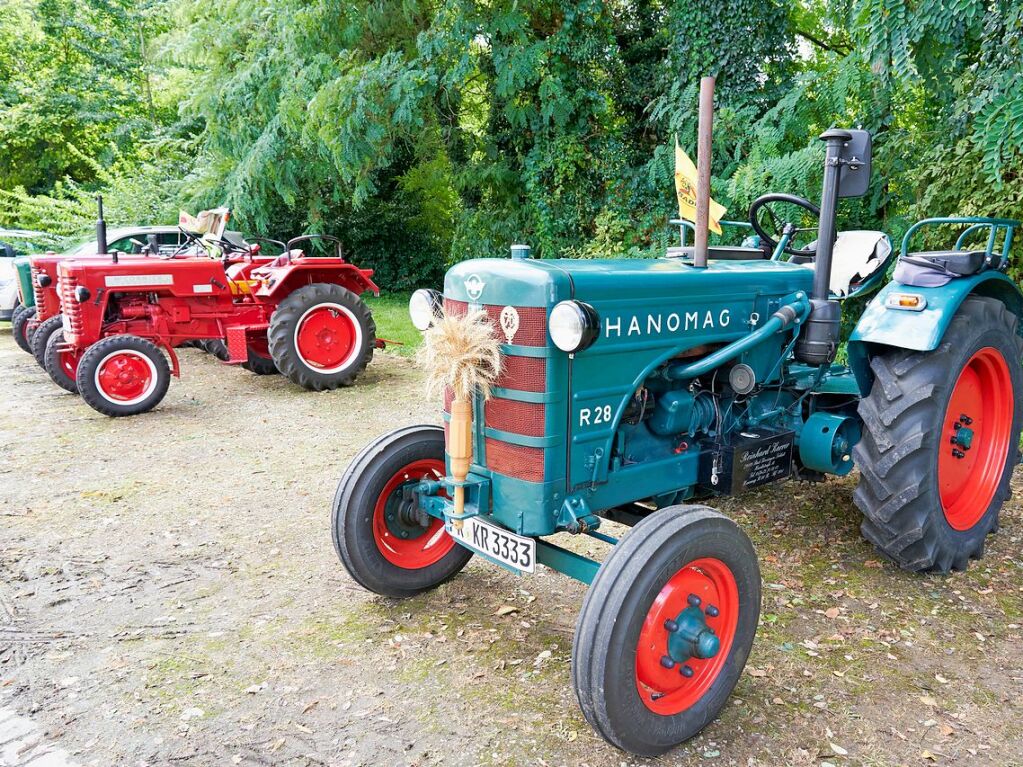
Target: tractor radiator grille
532	330
38	295
523	374
515	460
70	306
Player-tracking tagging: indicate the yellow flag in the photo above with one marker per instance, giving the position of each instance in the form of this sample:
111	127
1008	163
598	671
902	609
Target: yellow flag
685	189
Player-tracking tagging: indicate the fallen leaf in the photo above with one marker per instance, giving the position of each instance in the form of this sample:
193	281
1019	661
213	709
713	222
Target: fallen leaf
838	749
831	613
506	610
925	754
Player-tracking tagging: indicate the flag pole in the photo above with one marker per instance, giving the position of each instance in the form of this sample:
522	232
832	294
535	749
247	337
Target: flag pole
703	149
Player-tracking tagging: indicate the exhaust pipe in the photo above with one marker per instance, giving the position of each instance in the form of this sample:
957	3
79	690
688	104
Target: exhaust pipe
703	151
101	229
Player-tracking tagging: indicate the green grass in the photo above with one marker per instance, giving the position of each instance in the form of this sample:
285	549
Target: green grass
390	312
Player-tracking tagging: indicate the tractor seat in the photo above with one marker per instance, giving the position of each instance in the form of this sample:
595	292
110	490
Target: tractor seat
857	255
721	252
934	268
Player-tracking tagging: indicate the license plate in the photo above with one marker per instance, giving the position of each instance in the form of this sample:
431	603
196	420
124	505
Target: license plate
514	551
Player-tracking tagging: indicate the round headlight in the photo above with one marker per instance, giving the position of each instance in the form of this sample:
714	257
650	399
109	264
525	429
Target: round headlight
82	294
573	325
44	280
425	307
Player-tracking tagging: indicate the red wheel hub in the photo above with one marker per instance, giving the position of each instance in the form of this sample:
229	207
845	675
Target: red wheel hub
402	540
68	362
326	337
125	376
975	438
671	690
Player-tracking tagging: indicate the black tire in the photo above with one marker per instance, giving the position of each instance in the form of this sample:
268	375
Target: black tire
133	346
284	326
20	328
217	348
18	309
260	365
605	649
54	364
904	430
41	337
352	515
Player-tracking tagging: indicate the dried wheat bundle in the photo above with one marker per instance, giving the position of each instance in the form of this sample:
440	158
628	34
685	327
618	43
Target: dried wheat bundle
463	353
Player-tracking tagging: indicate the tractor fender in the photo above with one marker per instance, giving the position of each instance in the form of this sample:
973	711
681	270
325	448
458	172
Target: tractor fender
921	330
288	278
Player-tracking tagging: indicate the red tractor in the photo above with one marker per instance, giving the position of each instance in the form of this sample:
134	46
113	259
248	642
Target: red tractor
296	314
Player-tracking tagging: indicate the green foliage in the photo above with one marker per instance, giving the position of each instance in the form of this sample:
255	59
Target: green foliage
423	133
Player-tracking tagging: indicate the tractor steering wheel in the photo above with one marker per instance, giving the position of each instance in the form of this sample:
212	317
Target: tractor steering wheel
781	222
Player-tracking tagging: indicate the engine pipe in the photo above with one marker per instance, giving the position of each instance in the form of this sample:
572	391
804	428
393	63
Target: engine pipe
101	228
703	153
780	320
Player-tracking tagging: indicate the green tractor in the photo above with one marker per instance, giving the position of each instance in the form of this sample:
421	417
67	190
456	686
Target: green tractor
636	390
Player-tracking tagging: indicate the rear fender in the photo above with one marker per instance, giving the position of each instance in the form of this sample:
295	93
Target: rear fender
286	279
922	330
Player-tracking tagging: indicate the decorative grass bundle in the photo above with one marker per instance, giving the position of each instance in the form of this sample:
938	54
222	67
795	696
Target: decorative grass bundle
462	353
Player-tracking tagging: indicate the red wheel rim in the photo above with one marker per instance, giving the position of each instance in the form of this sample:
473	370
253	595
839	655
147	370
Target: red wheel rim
68	363
975	438
423	546
125	377
327	337
666	691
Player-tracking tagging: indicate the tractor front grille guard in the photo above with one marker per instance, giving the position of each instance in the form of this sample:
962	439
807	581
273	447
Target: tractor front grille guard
71	307
39	296
503	415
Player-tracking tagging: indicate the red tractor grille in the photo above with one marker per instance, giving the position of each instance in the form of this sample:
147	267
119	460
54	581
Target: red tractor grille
523	373
526	418
532	330
69	304
515	460
38	295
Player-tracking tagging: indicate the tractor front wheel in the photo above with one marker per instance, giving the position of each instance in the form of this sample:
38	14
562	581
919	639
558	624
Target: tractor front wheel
322	336
61	365
940	440
666	628
123	375
384	541
41	337
20	326
260	362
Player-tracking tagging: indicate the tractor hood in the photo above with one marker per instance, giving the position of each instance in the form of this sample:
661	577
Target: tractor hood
545	282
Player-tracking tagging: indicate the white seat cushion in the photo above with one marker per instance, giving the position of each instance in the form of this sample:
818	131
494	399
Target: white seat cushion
857	255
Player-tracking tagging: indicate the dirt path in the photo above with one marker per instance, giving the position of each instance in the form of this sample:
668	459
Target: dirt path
170	596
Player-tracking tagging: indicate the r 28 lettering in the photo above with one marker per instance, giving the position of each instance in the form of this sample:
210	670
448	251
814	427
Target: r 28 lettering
595	416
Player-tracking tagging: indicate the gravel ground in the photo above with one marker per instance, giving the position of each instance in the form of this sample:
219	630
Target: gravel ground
170	596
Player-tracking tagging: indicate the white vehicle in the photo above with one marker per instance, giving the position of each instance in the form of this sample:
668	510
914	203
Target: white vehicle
16	242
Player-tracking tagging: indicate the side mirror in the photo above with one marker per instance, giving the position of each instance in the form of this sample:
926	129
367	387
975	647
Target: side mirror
854	171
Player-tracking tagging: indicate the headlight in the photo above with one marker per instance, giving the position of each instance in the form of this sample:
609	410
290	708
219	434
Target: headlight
573	326
82	294
44	280
425	307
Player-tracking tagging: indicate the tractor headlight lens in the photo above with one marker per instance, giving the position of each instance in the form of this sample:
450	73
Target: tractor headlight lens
573	326
44	280
82	294
425	307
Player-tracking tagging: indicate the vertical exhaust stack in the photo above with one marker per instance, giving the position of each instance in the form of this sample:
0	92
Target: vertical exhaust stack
703	153
101	229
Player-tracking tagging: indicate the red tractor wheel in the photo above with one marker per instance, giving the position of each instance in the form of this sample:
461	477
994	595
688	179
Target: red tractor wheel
387	544
940	441
322	336
21	325
666	628
61	365
41	337
123	375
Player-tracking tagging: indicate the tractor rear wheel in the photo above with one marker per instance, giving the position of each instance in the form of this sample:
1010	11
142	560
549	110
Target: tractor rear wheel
20	327
41	337
383	540
123	375
940	441
322	336
666	628
61	365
